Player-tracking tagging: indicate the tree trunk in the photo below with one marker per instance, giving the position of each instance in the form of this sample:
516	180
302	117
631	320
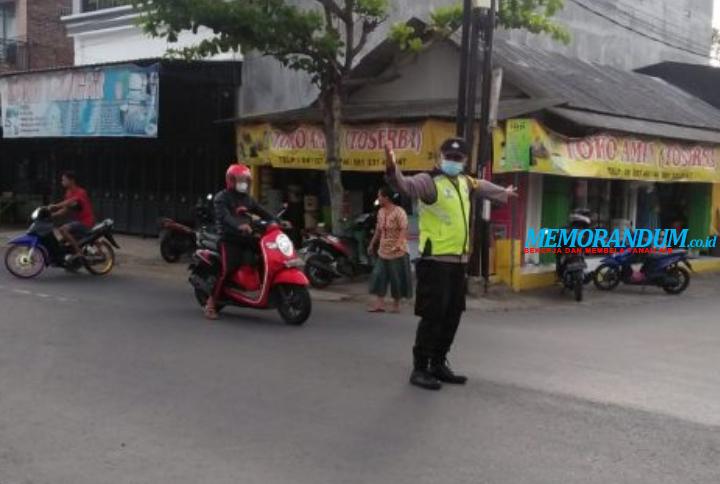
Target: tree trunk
331	117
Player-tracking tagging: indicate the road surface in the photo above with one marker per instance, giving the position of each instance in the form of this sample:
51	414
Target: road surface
120	380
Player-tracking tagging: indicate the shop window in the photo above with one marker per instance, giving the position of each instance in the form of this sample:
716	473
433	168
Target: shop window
611	202
92	5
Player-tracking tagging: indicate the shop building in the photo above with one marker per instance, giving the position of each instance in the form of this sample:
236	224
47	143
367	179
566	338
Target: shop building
416	113
636	151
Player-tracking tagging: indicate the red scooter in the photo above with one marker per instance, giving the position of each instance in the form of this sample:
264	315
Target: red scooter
276	282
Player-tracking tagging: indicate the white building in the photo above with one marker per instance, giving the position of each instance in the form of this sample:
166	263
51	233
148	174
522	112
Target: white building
106	31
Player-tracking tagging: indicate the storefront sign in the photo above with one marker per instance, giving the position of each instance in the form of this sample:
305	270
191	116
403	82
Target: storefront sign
519	143
117	101
362	147
611	156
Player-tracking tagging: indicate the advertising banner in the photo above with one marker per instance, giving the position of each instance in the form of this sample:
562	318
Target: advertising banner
113	101
606	155
362	147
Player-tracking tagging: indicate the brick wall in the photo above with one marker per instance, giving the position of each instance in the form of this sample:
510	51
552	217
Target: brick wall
48	43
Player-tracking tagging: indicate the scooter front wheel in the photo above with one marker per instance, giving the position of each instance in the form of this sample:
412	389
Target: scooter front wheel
168	249
294	304
606	277
99	258
23	262
578	287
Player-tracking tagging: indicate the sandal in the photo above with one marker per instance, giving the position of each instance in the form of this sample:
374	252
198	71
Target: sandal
211	313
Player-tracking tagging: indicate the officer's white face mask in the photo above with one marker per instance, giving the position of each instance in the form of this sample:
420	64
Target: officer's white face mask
242	186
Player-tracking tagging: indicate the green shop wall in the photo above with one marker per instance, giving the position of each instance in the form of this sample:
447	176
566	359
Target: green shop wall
700	211
556	206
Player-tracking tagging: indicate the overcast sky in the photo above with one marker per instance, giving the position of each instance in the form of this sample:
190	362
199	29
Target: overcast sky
716	17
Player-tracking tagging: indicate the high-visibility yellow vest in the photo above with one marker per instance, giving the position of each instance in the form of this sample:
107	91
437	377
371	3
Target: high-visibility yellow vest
446	223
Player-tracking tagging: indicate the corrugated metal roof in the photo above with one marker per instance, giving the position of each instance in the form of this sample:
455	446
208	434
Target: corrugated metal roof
394	111
602	89
637	126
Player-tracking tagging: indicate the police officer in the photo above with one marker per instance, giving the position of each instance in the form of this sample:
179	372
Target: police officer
445	199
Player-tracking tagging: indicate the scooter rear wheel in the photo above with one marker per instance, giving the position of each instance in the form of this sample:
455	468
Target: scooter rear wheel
294	304
99	258
318	276
21	264
682	278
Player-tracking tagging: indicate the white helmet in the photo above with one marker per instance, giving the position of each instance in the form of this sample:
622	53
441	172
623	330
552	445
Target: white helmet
581	216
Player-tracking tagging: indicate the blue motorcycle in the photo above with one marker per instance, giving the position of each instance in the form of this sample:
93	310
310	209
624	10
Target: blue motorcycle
670	271
28	255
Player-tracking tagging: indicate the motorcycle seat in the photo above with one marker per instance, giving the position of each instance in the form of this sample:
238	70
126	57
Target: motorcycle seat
102	226
209	240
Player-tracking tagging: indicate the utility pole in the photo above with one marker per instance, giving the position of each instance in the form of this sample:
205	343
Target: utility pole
480	16
461	120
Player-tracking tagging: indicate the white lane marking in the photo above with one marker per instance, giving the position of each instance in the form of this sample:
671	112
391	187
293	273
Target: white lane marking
41	295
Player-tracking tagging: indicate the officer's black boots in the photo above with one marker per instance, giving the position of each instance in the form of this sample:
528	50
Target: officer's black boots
422	377
440	369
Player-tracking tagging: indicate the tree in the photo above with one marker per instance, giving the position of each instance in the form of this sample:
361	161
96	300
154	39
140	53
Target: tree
715	49
323	39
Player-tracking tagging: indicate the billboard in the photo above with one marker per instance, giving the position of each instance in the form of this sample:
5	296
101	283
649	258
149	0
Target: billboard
111	101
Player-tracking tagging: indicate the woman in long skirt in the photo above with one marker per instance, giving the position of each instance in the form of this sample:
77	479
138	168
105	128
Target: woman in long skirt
392	267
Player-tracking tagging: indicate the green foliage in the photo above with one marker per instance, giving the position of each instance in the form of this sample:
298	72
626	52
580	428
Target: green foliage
405	36
715	49
532	15
311	40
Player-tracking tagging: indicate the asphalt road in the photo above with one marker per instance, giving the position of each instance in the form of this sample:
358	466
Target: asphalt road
120	380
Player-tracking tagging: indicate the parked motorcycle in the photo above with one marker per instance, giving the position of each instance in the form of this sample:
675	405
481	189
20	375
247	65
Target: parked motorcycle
663	270
278	282
572	275
29	255
328	257
177	240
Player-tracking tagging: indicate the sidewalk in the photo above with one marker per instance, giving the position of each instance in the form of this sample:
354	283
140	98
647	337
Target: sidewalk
143	254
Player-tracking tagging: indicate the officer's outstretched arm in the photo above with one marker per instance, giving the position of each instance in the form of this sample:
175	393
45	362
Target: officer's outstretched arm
486	189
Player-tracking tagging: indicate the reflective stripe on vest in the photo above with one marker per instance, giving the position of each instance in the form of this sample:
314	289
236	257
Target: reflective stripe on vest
446	223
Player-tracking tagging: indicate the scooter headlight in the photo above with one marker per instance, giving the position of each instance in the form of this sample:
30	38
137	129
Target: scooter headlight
285	245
